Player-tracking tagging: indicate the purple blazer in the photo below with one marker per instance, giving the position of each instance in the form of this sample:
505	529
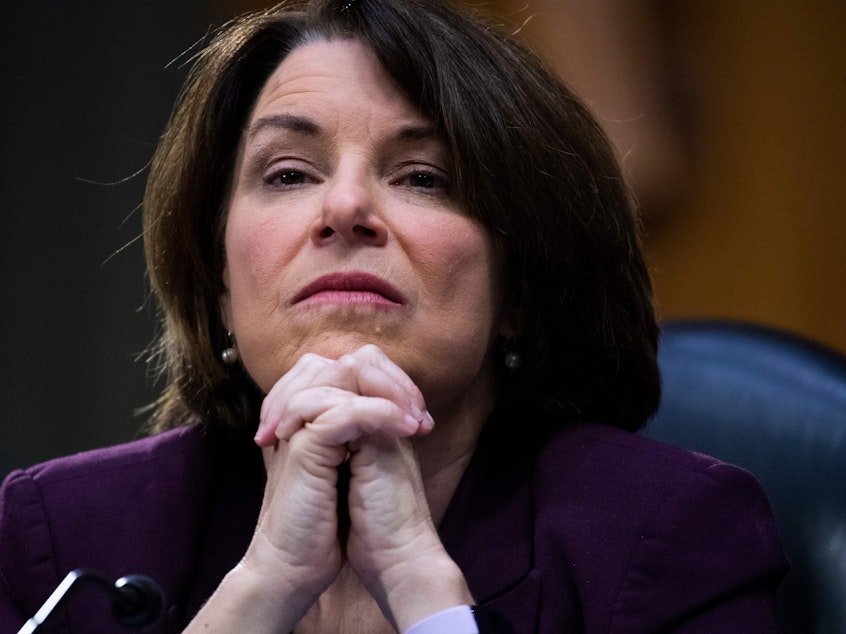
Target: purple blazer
578	528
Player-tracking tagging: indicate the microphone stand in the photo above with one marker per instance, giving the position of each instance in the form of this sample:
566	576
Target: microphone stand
137	600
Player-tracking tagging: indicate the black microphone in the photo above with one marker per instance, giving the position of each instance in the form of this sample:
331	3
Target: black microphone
139	601
136	600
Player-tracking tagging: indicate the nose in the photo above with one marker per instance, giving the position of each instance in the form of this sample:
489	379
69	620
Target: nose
349	214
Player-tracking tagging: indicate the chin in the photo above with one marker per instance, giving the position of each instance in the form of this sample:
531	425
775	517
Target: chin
339	346
267	366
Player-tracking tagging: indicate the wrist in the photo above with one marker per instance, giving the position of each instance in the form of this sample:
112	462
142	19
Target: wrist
274	584
280	592
249	602
433	586
273	568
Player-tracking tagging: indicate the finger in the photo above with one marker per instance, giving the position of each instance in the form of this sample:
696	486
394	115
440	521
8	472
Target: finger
372	380
296	398
359	417
369	372
417	404
301	376
286	414
304	407
374	357
334	408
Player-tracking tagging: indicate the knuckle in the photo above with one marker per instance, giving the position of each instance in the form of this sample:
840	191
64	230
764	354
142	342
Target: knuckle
369	350
347	360
309	358
347	365
295	403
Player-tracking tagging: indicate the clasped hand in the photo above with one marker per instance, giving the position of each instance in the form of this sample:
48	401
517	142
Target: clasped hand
361	409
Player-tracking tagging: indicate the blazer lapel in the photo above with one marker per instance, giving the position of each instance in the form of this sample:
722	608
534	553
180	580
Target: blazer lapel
488	528
230	515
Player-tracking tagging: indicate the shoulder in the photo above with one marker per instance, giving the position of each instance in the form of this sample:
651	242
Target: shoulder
605	474
639	520
164	506
102	478
179	445
608	457
109	488
76	511
104	483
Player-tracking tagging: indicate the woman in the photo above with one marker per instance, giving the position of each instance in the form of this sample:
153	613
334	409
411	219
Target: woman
408	333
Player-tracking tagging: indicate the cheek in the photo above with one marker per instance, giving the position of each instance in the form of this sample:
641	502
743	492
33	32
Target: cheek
257	257
256	253
459	310
461	268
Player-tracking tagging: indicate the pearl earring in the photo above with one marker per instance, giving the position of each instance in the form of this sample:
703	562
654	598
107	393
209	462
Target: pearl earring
513	360
230	355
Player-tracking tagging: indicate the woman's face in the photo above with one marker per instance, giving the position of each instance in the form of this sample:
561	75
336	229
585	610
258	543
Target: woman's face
343	230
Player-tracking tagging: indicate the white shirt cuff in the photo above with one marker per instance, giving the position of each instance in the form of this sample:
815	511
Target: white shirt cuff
457	620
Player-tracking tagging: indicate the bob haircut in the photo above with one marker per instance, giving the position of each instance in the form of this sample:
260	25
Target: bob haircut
530	164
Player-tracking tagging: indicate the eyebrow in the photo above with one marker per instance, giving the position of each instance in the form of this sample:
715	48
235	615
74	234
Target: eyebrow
416	133
291	122
304	125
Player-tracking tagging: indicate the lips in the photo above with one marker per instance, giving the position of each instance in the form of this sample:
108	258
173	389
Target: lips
353	284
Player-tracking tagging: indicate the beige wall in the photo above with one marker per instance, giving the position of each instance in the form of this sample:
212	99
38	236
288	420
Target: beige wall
757	229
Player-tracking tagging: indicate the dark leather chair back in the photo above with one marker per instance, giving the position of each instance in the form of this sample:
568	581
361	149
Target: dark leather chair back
774	404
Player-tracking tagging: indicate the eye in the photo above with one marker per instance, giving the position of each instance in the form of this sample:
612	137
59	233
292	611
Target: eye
427	178
286	178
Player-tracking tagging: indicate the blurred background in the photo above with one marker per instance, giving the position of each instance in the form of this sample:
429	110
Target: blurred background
728	118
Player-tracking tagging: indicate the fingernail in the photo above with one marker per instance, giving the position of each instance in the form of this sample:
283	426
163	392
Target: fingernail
260	433
428	422
411	422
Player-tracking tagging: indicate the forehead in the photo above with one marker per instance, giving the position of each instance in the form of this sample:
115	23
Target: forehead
343	78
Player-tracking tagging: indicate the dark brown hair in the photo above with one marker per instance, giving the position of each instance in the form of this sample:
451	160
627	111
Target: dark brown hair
530	163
